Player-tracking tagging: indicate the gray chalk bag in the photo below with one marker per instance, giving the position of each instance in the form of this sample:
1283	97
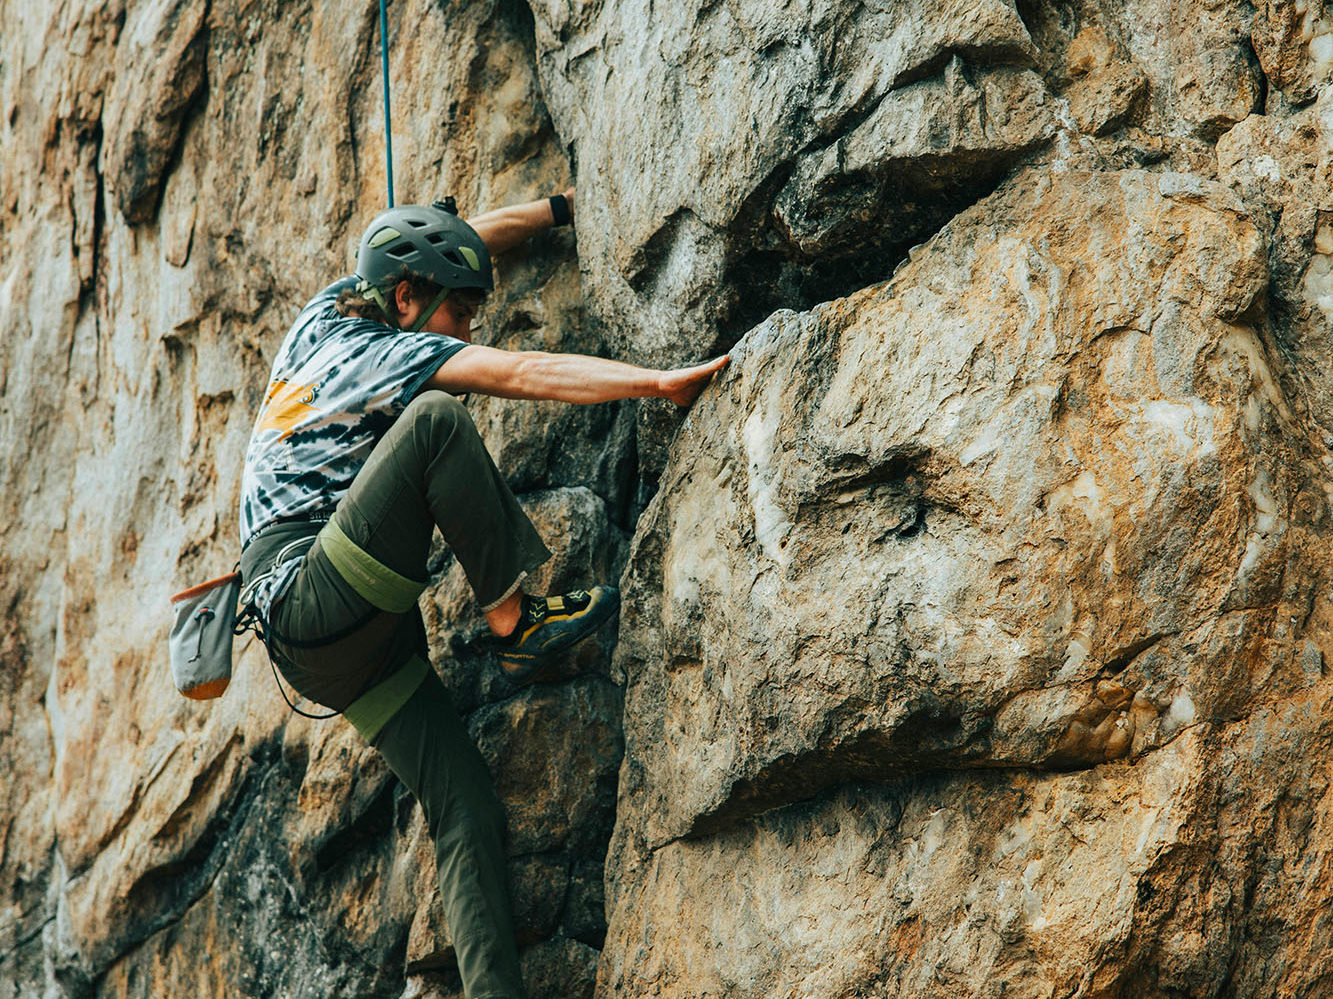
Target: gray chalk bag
201	636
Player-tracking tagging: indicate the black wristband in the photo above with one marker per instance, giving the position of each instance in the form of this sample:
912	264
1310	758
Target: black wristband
560	209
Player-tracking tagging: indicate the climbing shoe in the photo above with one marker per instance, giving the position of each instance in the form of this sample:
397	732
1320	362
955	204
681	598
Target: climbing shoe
550	625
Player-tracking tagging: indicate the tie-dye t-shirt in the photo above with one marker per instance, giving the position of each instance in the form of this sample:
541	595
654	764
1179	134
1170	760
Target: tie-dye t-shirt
337	385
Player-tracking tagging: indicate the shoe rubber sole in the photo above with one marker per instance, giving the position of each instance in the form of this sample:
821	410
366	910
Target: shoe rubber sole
532	660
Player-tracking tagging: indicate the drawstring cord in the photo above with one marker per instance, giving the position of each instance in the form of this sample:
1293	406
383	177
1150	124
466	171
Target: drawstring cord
203	615
251	620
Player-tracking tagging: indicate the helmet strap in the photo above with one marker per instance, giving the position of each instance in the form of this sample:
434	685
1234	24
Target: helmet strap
368	290
435	303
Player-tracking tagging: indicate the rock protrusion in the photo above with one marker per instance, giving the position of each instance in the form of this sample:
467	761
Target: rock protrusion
1037	504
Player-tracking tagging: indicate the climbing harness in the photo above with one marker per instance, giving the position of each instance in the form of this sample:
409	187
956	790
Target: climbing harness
251	620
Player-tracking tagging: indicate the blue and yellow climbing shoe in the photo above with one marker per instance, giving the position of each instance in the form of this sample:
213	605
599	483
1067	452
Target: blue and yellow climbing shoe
550	625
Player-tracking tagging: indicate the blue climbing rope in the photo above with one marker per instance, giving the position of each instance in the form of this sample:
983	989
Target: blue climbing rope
384	62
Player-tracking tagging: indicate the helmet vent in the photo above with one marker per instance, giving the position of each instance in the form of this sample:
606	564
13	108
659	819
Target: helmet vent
430	242
383	236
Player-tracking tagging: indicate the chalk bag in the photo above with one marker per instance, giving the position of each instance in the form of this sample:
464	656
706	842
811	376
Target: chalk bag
201	636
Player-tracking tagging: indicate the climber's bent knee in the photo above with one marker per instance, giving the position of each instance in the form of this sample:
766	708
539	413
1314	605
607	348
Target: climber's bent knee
437	423
438	408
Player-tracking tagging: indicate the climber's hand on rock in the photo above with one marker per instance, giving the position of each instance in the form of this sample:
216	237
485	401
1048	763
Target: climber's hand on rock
683	385
569	196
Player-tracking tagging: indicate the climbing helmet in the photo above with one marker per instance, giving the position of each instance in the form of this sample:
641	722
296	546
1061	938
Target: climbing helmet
429	240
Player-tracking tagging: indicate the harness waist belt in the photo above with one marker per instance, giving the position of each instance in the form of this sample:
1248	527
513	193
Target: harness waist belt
318	517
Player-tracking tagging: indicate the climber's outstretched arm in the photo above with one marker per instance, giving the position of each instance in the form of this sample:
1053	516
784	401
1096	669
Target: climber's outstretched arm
504	228
577	378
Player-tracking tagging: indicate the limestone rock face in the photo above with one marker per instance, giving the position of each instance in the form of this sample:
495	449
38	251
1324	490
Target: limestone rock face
178	179
729	140
1294	43
1037	504
976	620
157	73
1283	169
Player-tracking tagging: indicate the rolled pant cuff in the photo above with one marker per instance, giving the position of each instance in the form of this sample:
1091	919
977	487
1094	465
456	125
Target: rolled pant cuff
513	588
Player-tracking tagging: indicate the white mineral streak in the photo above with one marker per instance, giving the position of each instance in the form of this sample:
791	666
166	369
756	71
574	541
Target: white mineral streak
1088	497
770	524
1076	655
1187	426
1318	280
1317	32
1319	283
1265	506
1179	714
1267	167
1244	345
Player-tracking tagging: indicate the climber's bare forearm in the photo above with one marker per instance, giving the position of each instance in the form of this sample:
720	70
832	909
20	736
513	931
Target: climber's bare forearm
504	228
576	378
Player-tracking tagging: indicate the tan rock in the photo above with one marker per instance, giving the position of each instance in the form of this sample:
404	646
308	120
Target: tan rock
1283	167
1038	503
689	118
1105	90
1071	463
944	885
897	166
1197	58
141	830
158	73
1294	43
1101	102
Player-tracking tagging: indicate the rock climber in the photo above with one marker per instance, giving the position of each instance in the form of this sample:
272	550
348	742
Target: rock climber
360	450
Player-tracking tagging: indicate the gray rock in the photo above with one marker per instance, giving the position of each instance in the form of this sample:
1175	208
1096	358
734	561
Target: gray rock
689	119
553	751
159	73
1037	504
900	168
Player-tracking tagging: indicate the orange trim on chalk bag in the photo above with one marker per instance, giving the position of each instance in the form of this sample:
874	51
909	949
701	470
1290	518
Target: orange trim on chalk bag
212	584
207	691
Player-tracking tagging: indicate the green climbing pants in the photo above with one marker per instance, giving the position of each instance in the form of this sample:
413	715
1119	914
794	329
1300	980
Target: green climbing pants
349	635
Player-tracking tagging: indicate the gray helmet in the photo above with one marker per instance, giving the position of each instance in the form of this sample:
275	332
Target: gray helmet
430	240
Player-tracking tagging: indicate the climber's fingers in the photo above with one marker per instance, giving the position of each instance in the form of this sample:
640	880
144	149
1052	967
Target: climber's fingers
683	385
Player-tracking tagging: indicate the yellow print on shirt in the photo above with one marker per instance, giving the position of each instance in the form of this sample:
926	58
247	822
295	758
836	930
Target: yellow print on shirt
286	406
